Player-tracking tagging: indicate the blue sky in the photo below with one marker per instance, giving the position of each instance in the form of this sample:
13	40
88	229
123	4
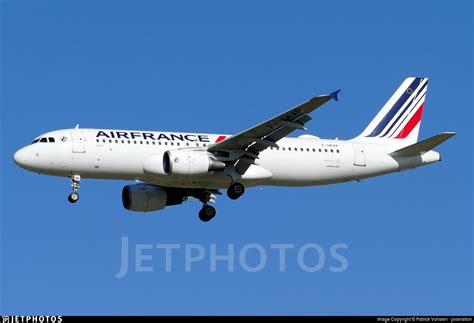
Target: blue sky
220	68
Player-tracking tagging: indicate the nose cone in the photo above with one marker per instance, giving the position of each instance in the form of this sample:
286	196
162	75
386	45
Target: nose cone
21	158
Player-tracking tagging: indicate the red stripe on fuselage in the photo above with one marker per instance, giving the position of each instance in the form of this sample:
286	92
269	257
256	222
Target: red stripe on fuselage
220	138
411	124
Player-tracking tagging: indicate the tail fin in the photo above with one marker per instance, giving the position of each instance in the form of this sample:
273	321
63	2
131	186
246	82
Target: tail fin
398	122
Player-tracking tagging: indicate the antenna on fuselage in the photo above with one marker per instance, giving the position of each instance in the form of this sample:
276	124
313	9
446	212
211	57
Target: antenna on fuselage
77	126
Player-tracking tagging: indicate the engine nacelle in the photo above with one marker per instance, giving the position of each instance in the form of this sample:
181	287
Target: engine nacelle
145	198
153	165
185	163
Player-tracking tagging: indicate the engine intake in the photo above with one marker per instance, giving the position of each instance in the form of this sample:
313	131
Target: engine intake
185	163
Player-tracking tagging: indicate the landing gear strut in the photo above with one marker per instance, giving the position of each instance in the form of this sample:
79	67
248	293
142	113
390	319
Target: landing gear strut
235	191
74	196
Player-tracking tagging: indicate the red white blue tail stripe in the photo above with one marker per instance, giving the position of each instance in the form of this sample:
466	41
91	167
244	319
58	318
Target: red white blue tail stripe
401	115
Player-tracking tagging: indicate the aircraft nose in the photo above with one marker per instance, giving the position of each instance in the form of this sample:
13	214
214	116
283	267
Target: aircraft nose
21	157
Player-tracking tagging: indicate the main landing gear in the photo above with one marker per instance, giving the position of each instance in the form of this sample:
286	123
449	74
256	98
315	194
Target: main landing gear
235	191
74	196
207	213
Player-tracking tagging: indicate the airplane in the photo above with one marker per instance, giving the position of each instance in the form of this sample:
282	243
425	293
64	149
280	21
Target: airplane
171	167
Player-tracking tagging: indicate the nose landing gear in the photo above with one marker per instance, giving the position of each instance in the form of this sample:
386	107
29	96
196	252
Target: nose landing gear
74	196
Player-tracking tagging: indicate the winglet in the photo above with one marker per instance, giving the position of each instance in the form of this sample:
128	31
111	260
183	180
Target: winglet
334	94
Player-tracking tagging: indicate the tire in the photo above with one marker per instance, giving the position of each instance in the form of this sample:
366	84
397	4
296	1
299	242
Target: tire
207	213
73	197
235	191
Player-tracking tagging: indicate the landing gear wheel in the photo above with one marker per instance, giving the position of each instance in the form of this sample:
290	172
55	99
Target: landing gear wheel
73	197
75	181
207	213
235	191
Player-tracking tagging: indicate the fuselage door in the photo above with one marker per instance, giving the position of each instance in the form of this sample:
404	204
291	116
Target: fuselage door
359	153
77	141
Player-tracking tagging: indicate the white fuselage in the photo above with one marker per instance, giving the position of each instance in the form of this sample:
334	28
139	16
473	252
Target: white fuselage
304	161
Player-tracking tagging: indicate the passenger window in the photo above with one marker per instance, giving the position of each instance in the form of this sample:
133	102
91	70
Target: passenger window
134	142
187	144
97	140
332	150
337	151
314	150
307	149
319	149
147	142
123	141
282	148
153	143
172	143
301	149
325	150
177	144
116	141
289	148
141	142
128	141
103	140
110	141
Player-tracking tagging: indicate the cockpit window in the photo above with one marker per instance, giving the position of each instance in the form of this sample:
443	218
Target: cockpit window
45	139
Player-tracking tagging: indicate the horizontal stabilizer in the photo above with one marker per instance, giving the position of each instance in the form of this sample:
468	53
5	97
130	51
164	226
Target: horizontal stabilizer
423	146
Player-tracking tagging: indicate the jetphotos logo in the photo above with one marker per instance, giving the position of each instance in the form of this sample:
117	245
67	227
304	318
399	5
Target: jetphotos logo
32	319
250	257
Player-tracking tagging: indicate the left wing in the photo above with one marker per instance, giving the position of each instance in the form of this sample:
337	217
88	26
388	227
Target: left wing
258	138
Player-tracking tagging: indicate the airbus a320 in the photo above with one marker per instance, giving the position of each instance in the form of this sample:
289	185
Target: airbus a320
172	167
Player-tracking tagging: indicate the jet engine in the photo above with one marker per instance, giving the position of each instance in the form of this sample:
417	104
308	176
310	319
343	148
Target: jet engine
186	163
145	198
